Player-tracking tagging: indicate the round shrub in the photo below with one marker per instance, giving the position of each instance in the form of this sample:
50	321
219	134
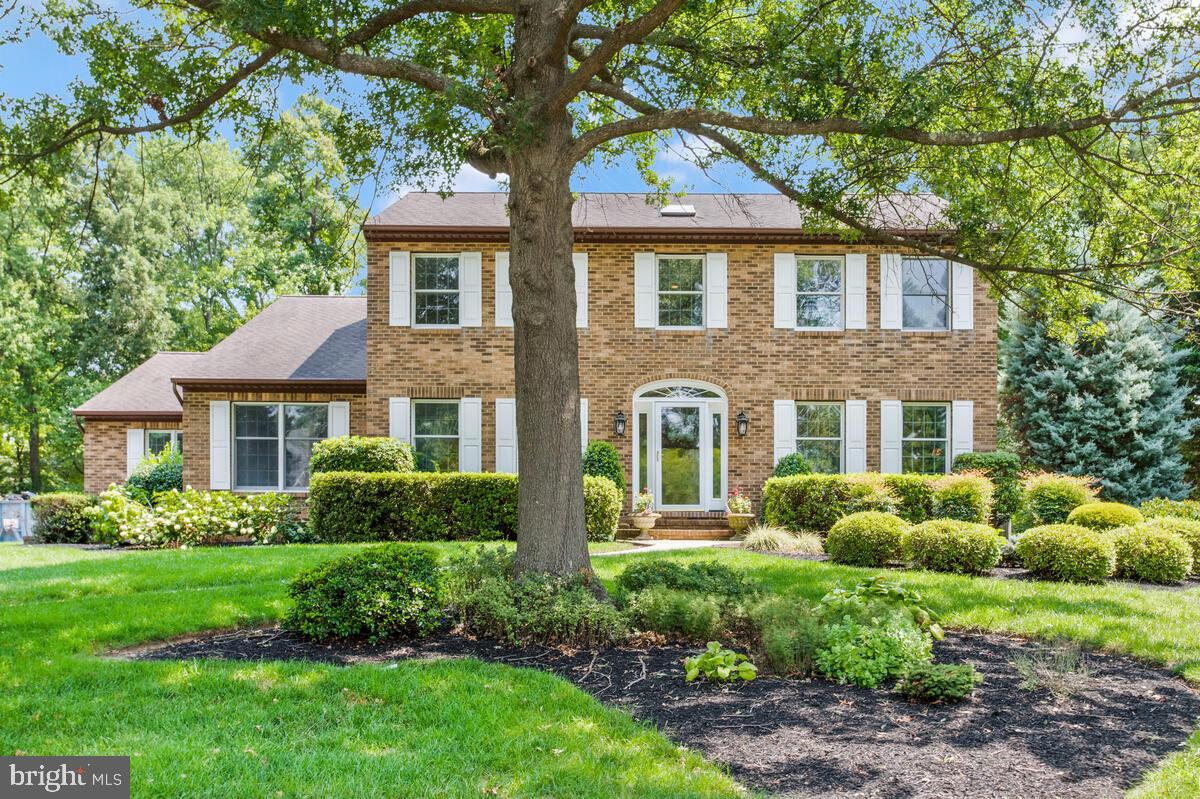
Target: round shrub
376	594
1104	515
1067	552
600	459
1152	555
601	508
1187	529
62	518
361	454
1050	498
869	538
792	464
947	545
161	472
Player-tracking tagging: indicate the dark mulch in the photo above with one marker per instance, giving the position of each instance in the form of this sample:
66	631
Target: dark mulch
813	738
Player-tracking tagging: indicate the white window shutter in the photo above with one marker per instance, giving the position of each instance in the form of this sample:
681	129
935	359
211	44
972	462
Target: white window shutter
891	422
785	291
856	436
506	435
716	285
856	291
218	445
470	313
891	291
470	434
962	304
644	294
400	419
339	419
583	423
785	428
580	262
135	448
399	288
962	428
503	292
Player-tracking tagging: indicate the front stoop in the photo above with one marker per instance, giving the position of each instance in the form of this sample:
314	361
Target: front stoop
683	526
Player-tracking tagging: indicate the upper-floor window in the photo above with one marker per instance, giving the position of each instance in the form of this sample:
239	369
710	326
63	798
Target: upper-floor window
926	293
435	435
436	290
158	440
272	444
925	437
680	291
819	435
819	287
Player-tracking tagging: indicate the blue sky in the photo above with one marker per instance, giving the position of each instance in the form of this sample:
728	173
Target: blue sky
35	66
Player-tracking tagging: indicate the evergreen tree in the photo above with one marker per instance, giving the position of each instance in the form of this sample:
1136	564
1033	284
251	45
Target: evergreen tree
1112	406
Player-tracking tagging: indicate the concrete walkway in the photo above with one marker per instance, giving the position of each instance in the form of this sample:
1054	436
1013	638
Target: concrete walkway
666	545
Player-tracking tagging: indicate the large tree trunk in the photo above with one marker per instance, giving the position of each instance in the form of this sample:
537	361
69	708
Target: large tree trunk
552	537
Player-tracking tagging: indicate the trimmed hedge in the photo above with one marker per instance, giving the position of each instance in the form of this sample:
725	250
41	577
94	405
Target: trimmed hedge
1104	515
1152	555
948	545
814	502
1179	508
432	506
1004	470
62	518
361	454
1067	552
868	538
601	459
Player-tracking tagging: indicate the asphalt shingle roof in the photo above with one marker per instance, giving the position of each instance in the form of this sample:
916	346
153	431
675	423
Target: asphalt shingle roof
145	390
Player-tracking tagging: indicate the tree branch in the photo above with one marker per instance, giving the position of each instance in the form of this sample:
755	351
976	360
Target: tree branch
405	11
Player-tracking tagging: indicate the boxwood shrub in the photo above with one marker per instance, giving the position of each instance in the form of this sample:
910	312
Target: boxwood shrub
1067	552
1152	554
1050	498
62	518
868	538
376	594
1104	515
948	545
422	506
814	502
1179	508
361	454
1187	529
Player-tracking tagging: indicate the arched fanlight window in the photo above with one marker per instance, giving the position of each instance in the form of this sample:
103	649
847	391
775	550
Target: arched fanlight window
679	392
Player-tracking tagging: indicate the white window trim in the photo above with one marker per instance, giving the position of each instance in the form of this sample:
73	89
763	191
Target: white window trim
945	441
175	436
413	436
281	469
414	291
949	298
703	292
840	294
841	439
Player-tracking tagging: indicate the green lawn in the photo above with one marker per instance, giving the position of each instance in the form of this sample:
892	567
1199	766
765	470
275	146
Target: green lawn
208	728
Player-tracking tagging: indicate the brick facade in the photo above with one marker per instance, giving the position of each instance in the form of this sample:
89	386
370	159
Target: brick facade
104	449
752	361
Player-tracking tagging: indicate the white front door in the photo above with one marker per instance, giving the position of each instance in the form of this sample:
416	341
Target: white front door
686	445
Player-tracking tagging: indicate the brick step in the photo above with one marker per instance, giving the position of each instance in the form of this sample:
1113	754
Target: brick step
684	534
686	522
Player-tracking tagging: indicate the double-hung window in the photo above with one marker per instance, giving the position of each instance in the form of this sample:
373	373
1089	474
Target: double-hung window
437	284
925	436
680	291
158	440
926	293
820	431
272	444
435	435
819	288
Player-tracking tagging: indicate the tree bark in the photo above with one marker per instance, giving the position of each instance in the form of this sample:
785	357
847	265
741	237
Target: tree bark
32	418
551	537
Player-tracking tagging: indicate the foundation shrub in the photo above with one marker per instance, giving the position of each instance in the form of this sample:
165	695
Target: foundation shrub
361	454
1067	552
1152	554
948	545
868	538
1104	515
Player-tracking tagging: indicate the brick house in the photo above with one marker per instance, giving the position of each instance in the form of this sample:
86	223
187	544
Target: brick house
715	336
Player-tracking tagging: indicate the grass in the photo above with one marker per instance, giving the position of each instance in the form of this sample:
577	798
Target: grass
207	728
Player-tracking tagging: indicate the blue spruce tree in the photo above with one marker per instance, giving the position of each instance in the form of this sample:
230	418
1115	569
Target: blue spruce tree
1112	407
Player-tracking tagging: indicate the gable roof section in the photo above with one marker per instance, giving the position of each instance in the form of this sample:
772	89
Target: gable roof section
601	216
297	341
143	393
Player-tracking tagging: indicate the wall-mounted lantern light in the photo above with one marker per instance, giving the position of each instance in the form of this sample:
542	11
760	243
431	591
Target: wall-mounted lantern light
743	423
619	423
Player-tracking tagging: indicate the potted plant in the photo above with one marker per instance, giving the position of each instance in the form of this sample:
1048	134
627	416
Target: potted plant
643	517
738	512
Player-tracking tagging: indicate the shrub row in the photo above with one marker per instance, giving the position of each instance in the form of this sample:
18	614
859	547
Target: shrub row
872	539
814	502
419	506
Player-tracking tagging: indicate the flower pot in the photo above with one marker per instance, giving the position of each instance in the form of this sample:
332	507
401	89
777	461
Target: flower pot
739	522
644	522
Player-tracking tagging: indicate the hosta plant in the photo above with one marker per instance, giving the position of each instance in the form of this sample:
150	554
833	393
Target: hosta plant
717	664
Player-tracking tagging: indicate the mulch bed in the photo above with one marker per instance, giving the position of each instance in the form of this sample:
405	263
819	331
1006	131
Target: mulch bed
813	738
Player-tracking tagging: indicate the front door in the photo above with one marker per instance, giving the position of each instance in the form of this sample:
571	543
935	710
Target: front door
680	442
